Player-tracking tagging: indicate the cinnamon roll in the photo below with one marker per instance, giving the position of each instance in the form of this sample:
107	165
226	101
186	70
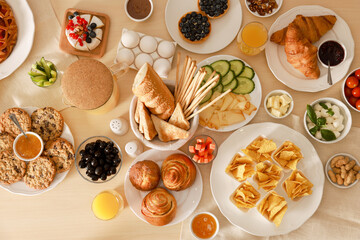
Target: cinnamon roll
178	172
159	207
145	175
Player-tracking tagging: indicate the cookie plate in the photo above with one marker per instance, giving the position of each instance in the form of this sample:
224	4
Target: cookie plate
20	187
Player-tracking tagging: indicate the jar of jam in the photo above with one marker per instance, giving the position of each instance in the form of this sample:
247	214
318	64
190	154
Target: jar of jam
331	51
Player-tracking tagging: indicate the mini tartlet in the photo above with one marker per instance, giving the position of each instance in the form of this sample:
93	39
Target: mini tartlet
224	7
189	31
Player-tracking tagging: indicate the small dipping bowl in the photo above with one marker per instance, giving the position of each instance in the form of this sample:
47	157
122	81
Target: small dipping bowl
328	167
134	18
344	97
193	142
216	222
333	50
279	92
20	150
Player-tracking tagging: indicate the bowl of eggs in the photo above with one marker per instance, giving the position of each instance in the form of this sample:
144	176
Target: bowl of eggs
327	120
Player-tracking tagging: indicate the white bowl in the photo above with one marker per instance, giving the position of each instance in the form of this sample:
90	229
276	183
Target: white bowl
279	2
28	159
135	19
217	225
343	91
279	92
156	143
343	110
328	167
334	40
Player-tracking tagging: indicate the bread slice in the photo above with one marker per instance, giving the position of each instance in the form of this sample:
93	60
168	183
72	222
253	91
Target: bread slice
146	125
178	119
136	116
168	132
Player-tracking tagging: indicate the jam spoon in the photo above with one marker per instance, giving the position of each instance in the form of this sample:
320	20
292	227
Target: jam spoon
329	79
14	119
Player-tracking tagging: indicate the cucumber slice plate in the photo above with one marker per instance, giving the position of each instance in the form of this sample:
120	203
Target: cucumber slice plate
221	66
245	85
237	66
248	73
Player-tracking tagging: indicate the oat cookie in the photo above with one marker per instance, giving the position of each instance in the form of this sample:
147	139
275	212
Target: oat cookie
12	169
6	142
47	122
62	153
7	125
40	173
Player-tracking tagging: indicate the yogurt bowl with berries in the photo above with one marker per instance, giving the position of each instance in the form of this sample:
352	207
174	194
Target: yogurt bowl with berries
327	120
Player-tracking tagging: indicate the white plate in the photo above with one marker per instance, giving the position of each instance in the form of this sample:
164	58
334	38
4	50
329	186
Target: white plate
20	187
187	200
255	95
286	73
26	30
224	28
222	185
279	3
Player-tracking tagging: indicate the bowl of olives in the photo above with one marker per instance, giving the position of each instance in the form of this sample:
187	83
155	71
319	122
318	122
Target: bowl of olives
98	159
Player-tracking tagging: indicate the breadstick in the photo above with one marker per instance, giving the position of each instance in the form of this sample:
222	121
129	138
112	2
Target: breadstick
208	105
177	74
210	81
187	82
195	85
186	63
198	99
184	79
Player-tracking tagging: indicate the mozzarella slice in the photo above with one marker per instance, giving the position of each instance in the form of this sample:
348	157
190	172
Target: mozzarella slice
94	43
98	22
99	33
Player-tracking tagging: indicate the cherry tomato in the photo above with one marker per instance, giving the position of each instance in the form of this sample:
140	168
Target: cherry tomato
357	104
357	74
356	92
348	91
352	100
352	82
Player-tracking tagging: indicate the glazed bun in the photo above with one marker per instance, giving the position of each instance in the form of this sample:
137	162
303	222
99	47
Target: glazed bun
145	175
178	172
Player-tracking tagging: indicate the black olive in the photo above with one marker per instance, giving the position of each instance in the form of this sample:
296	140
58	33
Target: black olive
82	164
88	164
91	151
113	170
94	162
115	150
94	177
76	14
103	176
107	166
101	162
193	14
116	163
108	149
97	154
102	145
108	172
82	152
98	170
87	147
111	144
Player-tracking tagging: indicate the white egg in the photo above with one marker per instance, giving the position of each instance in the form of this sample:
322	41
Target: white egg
162	67
166	49
329	120
318	114
337	134
324	113
143	58
130	39
317	107
148	44
307	119
310	125
318	135
125	56
340	128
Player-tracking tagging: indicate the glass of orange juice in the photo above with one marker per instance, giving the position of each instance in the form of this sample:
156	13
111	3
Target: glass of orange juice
107	204
252	38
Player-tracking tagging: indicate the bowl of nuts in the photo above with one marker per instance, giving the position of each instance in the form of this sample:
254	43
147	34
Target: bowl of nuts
342	170
263	8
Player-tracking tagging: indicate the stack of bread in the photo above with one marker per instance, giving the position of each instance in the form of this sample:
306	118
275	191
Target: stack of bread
156	112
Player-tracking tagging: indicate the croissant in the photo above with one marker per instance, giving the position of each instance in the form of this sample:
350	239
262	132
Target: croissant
300	52
313	28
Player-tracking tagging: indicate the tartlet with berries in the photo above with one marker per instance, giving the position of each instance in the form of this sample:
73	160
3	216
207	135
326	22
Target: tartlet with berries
194	27
214	8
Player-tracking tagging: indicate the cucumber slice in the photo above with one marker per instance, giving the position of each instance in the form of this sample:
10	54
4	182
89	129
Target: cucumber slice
248	73
228	78
207	97
237	66
46	67
221	66
231	85
218	88
245	86
208	69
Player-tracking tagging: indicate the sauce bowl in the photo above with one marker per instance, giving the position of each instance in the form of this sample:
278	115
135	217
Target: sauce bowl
18	155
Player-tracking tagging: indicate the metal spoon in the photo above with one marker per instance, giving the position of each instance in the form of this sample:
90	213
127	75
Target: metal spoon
14	119
329	79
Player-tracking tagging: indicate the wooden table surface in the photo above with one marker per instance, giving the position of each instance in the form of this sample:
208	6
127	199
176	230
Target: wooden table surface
65	212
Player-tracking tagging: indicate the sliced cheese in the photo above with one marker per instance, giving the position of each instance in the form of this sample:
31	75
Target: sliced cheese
227	102
99	33
94	43
86	17
285	99
98	22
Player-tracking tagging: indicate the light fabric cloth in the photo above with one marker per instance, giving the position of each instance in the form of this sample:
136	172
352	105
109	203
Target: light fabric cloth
337	216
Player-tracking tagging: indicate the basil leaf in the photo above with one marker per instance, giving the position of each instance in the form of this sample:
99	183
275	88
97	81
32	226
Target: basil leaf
314	130
321	121
311	113
323	105
327	134
330	112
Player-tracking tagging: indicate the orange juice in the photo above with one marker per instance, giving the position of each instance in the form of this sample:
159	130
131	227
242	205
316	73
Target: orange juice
106	205
252	38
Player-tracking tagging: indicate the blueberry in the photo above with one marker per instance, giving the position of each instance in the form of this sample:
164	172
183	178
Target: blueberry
193	14
70	17
188	16
93	25
76	14
192	38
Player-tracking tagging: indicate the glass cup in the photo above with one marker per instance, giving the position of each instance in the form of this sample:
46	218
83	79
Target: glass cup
107	205
252	38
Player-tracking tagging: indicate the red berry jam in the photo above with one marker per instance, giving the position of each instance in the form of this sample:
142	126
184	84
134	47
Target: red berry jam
331	51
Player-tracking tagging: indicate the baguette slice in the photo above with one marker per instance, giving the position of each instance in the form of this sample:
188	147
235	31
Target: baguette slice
153	92
137	117
178	119
168	132
146	125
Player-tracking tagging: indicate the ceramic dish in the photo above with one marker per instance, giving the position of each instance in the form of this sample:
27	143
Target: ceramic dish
343	111
18	154
278	92
286	73
222	185
26	31
328	167
156	143
255	95
135	19
226	26
325	65
279	3
344	98
20	187
216	221
193	142
187	200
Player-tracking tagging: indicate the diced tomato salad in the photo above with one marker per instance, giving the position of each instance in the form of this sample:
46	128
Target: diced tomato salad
203	150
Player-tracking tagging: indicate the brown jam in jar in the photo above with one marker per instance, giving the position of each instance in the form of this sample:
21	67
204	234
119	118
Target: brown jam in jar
331	51
138	9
